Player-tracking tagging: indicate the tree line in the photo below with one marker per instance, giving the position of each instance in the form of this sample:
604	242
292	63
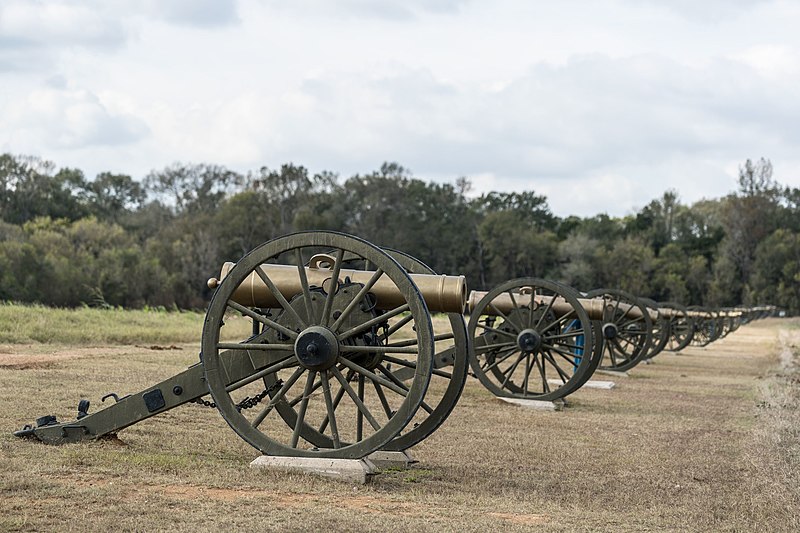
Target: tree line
67	240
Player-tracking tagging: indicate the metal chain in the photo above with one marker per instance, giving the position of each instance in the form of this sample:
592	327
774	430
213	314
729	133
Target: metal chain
248	402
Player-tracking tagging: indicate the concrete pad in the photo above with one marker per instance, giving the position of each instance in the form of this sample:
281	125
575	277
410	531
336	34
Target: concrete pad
540	405
349	470
591	384
615	373
385	459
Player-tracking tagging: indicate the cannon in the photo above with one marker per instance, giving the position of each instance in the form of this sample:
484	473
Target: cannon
338	364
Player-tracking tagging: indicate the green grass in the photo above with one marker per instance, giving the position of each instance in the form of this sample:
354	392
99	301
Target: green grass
30	324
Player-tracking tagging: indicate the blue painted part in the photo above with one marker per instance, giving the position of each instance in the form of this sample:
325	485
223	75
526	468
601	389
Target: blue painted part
579	341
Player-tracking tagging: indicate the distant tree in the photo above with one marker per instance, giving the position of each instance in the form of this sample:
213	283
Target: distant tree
776	273
30	187
192	188
112	196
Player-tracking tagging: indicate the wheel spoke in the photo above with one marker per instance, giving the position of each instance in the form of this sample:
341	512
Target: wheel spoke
286	362
326	391
494	330
514	304
503	315
346	348
510	371
373	322
489	347
353	396
278	396
566	355
559	320
411	364
547	309
384	402
264	320
336	401
527	374
301	415
567	335
396	327
333	289
374	377
543	374
252	346
385	371
497	361
356	300
414	341
359	414
279	296
563	375
301	271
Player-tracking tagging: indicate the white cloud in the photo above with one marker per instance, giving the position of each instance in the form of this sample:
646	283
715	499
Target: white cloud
602	107
61	118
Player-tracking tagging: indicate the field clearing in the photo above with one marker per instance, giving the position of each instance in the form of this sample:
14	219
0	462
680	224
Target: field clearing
708	440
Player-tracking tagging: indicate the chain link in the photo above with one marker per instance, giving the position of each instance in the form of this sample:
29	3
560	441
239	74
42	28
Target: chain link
248	402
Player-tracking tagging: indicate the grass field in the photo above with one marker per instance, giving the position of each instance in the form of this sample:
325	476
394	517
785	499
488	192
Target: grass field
708	440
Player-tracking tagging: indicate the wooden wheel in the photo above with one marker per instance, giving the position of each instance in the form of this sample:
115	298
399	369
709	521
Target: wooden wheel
321	351
681	327
531	338
626	329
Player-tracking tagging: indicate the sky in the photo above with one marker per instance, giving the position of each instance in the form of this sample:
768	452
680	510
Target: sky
599	105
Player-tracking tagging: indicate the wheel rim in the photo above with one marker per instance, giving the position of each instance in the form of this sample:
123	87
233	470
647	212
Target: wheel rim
533	350
300	382
627	338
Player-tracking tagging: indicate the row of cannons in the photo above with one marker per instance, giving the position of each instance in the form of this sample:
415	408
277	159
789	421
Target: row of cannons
356	349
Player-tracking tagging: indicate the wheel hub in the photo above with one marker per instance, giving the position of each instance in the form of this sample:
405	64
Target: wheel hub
529	340
317	348
610	331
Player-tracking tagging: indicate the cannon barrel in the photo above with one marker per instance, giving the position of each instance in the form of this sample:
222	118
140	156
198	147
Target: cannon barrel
442	294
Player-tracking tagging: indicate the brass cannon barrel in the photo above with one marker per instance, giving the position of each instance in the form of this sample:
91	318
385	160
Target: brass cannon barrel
594	306
442	294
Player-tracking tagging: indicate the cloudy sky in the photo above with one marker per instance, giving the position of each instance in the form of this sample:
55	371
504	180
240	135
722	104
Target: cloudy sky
600	105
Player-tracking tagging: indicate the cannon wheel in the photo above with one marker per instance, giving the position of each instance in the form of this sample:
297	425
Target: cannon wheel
627	339
530	351
324	338
681	327
707	327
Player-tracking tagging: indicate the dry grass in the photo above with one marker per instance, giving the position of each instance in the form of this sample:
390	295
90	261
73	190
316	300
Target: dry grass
702	441
31	324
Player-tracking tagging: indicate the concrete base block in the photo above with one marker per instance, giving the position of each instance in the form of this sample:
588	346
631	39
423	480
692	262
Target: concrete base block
591	384
541	405
615	373
384	459
349	470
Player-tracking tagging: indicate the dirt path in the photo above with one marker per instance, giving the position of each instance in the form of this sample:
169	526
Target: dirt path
702	441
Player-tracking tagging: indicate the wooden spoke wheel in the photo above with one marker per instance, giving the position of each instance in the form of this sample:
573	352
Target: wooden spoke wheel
681	327
626	328
707	327
314	373
531	338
